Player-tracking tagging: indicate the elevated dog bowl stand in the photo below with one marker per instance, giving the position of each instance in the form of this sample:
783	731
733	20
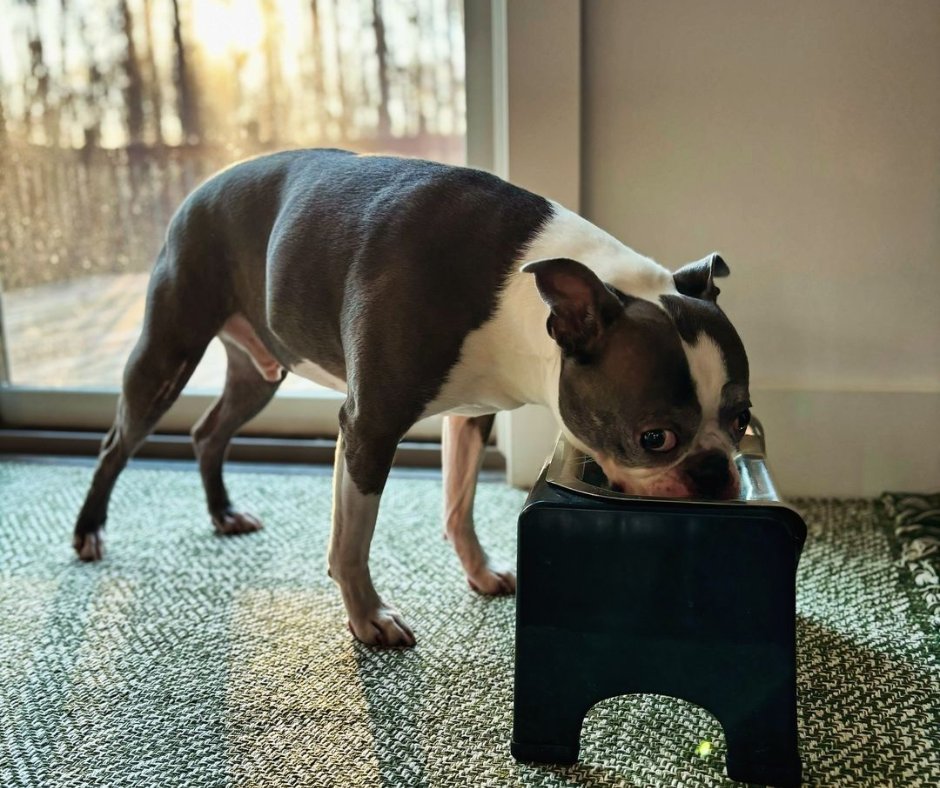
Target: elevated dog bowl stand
691	599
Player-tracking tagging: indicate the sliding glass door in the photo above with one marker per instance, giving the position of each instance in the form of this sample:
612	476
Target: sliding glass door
111	112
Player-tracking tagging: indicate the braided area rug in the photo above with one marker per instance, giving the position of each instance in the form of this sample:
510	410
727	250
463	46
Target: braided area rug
188	659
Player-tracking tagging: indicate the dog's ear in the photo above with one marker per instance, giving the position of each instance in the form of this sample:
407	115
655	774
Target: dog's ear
582	305
698	279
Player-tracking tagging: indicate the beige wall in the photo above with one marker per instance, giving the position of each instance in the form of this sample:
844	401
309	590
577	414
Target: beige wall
802	140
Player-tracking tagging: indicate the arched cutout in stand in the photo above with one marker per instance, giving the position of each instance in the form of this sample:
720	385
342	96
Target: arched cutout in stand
660	733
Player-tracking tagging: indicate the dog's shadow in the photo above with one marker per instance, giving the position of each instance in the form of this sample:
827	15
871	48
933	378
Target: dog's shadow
396	696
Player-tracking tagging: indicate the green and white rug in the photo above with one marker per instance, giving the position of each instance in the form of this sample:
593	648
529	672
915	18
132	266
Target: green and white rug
187	659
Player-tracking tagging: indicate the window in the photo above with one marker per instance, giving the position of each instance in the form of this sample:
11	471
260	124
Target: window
111	112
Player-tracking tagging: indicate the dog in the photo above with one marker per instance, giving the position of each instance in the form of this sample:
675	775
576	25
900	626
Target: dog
417	288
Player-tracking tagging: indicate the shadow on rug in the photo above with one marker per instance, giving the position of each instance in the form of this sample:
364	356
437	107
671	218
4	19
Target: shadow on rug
187	659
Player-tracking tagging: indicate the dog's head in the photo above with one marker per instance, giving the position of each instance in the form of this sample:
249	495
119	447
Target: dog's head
657	393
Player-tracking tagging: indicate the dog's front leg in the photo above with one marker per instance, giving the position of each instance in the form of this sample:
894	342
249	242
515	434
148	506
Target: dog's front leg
462	443
371	620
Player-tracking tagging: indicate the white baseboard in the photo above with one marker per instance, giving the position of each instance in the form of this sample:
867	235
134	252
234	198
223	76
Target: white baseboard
525	436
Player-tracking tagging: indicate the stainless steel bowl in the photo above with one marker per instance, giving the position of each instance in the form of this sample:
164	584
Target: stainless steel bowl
573	470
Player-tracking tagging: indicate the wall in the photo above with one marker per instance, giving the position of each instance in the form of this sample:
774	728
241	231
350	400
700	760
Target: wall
802	140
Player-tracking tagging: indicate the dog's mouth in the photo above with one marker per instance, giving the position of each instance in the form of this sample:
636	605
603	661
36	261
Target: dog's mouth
676	482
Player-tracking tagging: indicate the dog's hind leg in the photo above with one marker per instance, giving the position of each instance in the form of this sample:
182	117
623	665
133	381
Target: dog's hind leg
463	440
246	393
171	344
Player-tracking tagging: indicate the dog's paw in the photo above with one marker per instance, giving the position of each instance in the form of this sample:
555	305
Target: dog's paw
493	580
90	547
229	523
383	627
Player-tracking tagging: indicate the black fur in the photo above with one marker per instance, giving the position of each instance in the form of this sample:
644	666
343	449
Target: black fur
375	268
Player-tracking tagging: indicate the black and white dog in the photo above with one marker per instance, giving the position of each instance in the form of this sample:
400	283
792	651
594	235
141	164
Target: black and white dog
417	288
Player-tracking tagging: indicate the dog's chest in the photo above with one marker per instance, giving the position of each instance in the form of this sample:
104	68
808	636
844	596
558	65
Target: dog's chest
494	369
475	385
505	363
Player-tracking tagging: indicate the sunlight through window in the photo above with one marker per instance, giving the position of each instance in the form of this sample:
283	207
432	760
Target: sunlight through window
111	112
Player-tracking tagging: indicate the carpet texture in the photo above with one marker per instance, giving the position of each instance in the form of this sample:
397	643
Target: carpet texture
915	520
188	659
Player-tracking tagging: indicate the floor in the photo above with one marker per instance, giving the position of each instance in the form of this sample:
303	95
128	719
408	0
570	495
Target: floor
189	659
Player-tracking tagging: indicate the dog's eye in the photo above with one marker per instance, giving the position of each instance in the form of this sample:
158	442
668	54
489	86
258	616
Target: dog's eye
739	425
658	440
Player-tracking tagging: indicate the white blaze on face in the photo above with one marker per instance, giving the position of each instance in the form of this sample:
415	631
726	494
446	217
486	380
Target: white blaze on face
707	366
709	374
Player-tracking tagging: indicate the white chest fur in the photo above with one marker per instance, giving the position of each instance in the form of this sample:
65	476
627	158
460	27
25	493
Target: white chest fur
511	360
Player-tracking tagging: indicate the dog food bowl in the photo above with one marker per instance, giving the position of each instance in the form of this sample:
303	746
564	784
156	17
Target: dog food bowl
620	594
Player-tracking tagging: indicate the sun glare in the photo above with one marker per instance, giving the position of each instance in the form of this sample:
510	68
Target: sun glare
227	27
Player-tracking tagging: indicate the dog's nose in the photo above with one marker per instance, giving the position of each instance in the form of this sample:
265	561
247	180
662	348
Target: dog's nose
709	473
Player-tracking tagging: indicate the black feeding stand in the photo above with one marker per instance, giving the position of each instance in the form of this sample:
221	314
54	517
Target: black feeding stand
691	599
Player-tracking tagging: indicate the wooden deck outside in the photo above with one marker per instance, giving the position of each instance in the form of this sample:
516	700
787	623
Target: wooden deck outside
78	334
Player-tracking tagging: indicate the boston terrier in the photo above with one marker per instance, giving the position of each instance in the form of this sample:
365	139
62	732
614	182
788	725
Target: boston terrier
416	288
